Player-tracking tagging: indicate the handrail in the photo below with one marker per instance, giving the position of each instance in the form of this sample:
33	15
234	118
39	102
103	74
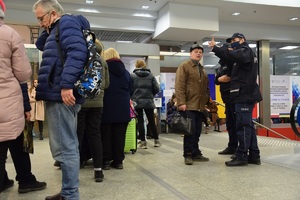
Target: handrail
255	122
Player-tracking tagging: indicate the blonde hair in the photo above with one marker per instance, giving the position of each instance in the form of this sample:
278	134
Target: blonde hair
140	64
111	53
99	47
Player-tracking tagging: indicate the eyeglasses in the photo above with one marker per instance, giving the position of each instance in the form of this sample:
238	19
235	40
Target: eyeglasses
41	19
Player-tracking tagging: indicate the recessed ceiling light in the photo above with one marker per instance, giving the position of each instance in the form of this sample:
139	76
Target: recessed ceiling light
289	47
252	45
89	1
236	13
294	19
145	7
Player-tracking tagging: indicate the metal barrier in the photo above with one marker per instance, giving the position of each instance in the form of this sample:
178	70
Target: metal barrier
258	124
295	117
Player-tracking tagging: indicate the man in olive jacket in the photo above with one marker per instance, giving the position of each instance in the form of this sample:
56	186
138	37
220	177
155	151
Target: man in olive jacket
192	91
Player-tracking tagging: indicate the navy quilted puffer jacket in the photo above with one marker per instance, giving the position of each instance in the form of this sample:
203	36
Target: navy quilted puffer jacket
53	75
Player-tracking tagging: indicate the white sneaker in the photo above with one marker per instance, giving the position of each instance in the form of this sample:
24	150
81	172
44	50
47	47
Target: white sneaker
143	145
157	143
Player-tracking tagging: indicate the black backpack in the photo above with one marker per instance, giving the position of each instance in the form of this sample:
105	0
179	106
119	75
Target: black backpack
89	82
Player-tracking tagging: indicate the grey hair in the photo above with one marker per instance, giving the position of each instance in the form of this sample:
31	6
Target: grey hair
2	15
49	5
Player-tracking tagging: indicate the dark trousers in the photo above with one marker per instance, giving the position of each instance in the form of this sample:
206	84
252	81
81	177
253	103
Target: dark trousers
230	125
113	141
150	116
246	132
21	161
88	123
3	155
191	143
41	126
205	116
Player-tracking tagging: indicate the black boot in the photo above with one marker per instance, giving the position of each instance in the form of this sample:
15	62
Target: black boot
41	136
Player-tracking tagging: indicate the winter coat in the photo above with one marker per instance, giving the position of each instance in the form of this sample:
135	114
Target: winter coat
144	88
224	69
191	86
53	74
14	68
171	110
116	100
213	111
243	85
97	102
26	102
37	107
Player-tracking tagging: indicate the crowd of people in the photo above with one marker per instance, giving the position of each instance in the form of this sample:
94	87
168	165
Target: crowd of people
71	118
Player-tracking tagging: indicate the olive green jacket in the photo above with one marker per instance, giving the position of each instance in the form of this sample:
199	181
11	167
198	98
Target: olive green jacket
98	100
191	86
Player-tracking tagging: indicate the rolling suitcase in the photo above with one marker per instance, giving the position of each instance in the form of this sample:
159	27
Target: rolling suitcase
130	140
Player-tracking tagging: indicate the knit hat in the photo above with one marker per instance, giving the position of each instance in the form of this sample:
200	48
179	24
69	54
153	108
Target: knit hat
2	5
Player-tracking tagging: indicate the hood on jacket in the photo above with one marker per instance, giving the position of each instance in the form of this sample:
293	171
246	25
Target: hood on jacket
117	68
142	72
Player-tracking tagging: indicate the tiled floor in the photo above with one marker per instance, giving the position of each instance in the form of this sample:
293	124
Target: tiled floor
160	173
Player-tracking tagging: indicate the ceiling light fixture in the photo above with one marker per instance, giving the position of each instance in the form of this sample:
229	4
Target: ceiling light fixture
206	43
209	65
89	1
145	7
166	53
235	13
292	56
289	47
294	19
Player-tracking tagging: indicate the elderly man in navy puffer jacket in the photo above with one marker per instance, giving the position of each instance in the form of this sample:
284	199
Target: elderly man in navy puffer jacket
56	87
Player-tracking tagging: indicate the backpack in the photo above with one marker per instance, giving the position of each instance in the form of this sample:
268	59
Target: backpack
89	83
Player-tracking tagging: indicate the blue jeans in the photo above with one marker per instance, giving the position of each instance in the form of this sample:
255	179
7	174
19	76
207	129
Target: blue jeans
62	123
191	143
246	132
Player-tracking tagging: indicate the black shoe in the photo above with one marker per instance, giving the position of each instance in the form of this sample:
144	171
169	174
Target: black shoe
56	164
82	164
29	187
117	166
200	158
55	197
98	176
41	137
254	161
226	151
7	184
188	160
106	165
236	162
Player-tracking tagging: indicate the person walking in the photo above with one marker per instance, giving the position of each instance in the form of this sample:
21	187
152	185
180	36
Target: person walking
192	91
56	86
144	87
